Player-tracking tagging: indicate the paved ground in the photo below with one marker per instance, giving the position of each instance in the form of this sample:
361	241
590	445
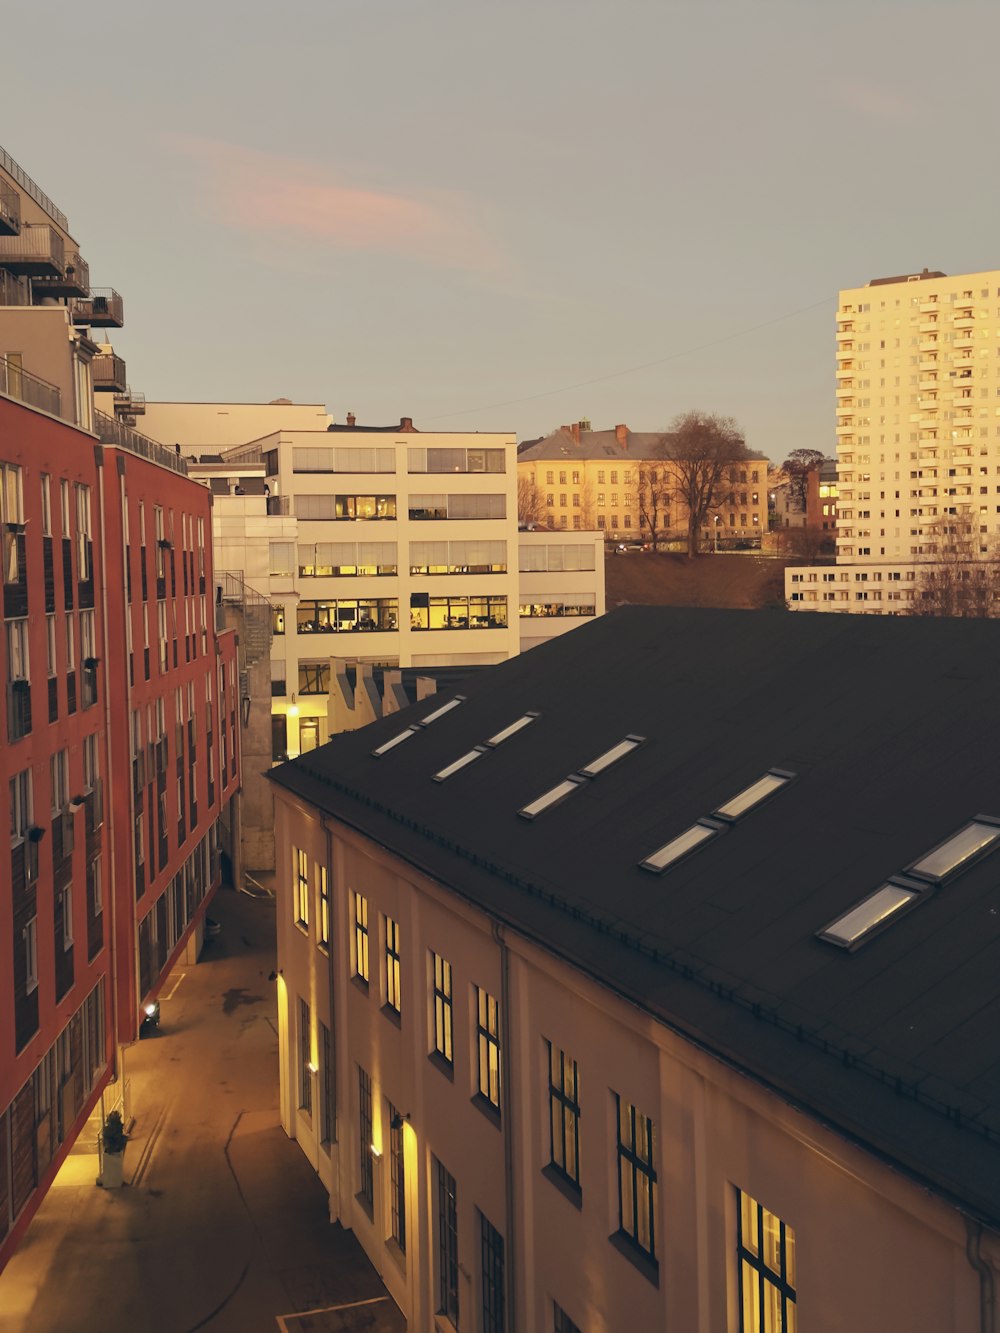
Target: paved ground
222	1224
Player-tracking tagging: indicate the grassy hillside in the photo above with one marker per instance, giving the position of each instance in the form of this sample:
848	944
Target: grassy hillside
743	580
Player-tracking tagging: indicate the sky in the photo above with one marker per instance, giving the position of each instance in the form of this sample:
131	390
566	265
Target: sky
513	214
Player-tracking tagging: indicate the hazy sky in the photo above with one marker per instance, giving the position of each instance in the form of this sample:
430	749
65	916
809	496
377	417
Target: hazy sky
508	215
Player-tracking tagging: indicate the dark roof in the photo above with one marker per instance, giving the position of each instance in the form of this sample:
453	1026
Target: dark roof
892	728
907	277
599	444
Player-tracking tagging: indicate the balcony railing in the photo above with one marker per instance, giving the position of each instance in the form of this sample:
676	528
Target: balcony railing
37	251
73	281
110	431
102	308
10	210
14	290
277	504
129	404
17	383
109	373
30	188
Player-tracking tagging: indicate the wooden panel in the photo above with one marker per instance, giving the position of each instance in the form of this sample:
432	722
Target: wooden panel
67	564
48	567
4	1178
24	1166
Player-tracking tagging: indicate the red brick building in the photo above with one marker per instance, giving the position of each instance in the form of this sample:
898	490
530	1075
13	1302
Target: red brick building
119	754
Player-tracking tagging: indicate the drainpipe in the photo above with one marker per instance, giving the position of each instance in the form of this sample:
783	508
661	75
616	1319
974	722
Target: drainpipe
507	1122
987	1292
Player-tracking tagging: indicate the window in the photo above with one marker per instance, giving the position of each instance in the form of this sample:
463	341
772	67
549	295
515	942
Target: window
765	1248
443	1029
458	506
488	1038
636	1178
552	797
447	1243
397	1179
561	1322
346	615
323	879
305	1061
456	460
97	889
17	649
458	557
346	559
282	559
46	505
328	1104
31	955
457	612
67	916
21	811
301	888
492	1276
365	1146
393	999
360	937
59	780
961	849
877	910
675	850
564	1114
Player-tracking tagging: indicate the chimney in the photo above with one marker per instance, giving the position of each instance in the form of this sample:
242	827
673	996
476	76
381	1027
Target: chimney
406	423
574	430
351	418
621	436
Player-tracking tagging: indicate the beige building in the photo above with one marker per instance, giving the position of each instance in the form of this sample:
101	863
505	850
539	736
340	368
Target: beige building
918	437
209	428
621	1017
614	481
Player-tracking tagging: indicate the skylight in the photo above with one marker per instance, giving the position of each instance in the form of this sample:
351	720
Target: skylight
963	847
679	847
855	926
445	708
459	763
386	746
612	756
551	797
754	794
512	730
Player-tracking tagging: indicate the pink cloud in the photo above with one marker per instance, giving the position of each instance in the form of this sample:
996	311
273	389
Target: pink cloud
255	192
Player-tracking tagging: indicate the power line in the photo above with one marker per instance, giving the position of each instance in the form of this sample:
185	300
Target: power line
631	370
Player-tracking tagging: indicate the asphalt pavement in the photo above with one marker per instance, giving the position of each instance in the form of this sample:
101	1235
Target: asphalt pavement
222	1224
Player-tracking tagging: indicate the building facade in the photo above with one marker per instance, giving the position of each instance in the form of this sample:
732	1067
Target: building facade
918	437
617	482
120	751
593	1052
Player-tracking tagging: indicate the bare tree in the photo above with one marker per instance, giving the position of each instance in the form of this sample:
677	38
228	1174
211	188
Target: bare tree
797	466
964	577
700	449
654	493
530	502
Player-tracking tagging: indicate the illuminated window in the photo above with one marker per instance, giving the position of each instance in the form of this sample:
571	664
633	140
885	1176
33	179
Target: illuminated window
960	850
443	1018
564	1114
611	756
360	937
366	1193
301	888
552	797
488	1040
753	795
393	998
873	912
679	847
305	1060
397	1179
765	1249
324	906
636	1178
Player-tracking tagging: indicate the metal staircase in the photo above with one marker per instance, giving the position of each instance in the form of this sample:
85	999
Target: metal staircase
255	609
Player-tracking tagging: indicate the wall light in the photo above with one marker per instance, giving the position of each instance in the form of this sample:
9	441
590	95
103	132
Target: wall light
376	1152
313	1068
293	708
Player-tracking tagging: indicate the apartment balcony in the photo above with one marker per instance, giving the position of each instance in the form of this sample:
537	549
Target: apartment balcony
845	335
929	344
845	371
10	210
109	373
845	390
845	429
129	404
931	363
928	326
964	302
109	430
74	281
964	322
37	252
17	383
14	290
928	307
101	308
965	339
928	404
928	383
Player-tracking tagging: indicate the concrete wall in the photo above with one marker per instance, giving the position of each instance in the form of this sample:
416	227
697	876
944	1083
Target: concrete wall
209	427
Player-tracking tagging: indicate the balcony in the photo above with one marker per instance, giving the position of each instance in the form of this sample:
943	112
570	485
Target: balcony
37	252
74	281
929	344
928	404
964	322
845	390
844	335
17	383
111	431
931	363
965	339
964	302
129	404
928	307
928	326
845	428
10	210
928	382
109	373
101	308
14	290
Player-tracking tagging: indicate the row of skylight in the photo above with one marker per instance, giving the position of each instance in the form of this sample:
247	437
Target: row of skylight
393	741
901	892
703	830
579	779
477	751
